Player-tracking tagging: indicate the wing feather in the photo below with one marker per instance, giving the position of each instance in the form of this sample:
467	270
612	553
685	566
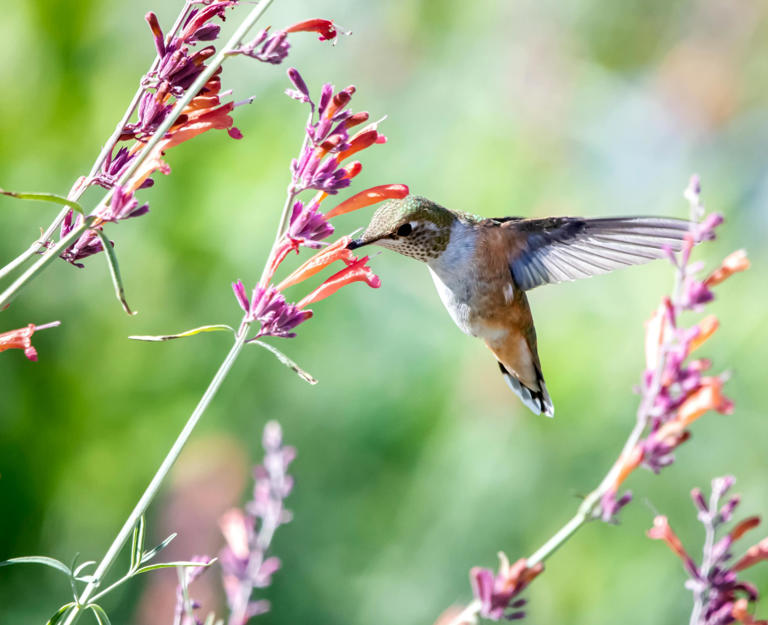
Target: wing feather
568	248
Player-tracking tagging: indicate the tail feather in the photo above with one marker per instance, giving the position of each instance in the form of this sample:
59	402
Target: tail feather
538	401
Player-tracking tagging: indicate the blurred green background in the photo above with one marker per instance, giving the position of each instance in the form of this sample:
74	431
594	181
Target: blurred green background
415	461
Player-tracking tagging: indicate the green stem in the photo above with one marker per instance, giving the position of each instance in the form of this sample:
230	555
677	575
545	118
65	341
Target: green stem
125	532
46	259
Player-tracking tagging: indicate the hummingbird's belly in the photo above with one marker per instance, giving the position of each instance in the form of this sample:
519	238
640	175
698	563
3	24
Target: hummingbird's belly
457	297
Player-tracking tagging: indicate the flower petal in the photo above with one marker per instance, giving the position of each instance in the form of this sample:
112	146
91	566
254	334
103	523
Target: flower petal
368	197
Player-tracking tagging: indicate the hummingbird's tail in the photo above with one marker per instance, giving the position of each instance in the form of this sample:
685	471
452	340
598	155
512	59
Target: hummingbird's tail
537	400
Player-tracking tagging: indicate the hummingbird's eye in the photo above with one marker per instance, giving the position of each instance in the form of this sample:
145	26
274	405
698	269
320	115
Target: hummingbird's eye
404	230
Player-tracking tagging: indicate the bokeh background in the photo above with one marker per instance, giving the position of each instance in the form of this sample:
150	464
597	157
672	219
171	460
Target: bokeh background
415	461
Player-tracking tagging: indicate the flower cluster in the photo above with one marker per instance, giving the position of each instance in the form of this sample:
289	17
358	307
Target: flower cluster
720	597
249	532
179	62
498	594
22	339
327	143
676	390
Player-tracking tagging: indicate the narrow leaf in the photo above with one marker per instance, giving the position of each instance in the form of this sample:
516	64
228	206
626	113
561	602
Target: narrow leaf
287	362
137	544
100	614
52	562
151	553
45	197
114	270
168	565
220	327
60	613
80	568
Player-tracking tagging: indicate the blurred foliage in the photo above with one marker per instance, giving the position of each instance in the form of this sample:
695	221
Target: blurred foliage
415	461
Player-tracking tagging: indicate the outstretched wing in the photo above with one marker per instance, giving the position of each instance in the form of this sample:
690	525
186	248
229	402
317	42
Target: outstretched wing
557	249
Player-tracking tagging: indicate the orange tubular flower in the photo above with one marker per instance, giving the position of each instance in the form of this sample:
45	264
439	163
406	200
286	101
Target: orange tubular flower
363	139
741	613
358	271
335	251
19	339
662	531
22	339
756	553
707	397
368	197
707	327
733	263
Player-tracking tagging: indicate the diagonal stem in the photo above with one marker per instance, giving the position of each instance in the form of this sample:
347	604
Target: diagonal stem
158	478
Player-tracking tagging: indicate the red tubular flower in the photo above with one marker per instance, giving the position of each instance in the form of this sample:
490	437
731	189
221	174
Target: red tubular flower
361	141
19	339
741	613
325	28
662	531
706	328
335	251
733	263
707	397
368	197
22	339
358	271
756	553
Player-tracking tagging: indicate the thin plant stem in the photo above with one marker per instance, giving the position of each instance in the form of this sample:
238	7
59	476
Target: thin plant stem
45	259
233	42
158	478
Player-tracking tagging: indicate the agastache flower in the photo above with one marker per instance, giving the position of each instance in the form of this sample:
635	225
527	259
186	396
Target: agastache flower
720	597
249	532
268	306
675	391
275	47
319	166
498	594
22	339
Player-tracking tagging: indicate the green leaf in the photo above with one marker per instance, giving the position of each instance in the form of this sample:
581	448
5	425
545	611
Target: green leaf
137	544
80	568
151	553
114	270
287	362
99	613
168	565
45	197
52	562
60	613
220	327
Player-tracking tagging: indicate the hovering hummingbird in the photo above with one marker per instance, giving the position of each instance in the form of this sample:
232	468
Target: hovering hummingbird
483	267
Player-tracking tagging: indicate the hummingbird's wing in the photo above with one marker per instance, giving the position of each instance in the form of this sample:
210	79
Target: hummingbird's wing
557	249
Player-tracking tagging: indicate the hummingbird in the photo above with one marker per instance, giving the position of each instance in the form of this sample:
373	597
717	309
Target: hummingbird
483	267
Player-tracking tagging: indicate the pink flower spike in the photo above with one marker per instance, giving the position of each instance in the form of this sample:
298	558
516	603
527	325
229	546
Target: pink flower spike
368	197
356	272
325	28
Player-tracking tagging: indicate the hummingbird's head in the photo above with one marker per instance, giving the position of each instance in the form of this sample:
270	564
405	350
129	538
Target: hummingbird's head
413	226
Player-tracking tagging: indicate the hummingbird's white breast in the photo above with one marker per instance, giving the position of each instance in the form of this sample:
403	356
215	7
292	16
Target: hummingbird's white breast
455	275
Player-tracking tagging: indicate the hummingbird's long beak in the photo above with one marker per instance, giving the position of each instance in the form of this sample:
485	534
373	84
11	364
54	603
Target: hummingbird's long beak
355	243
